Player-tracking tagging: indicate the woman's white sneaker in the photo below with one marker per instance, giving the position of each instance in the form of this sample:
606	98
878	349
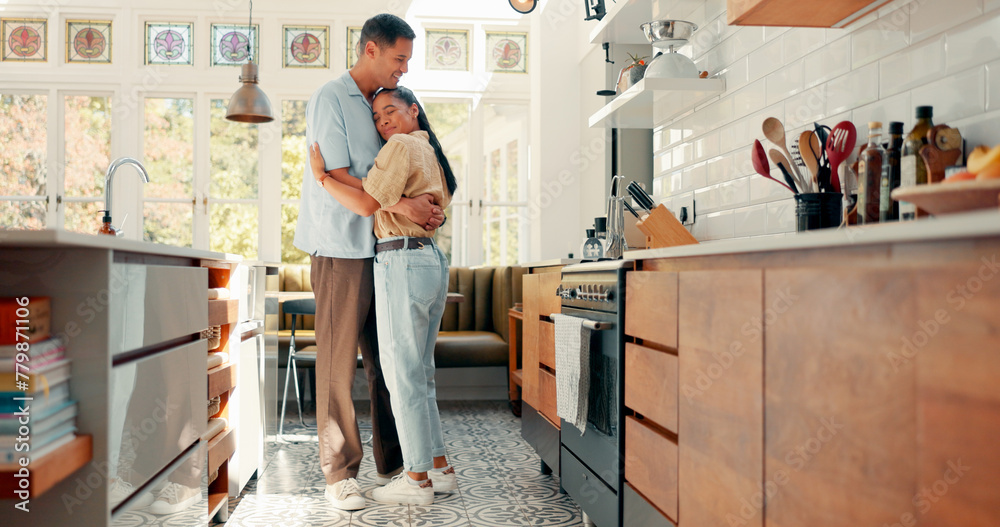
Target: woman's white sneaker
401	491
444	479
345	495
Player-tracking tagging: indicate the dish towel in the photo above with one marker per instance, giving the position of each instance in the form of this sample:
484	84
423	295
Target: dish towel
572	370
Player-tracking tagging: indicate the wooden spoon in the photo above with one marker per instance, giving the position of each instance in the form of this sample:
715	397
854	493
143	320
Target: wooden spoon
761	165
811	153
774	131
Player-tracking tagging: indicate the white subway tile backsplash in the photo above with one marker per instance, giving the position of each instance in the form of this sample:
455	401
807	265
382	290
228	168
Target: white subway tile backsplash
750	99
784	83
880	38
765	60
930	18
750	221
955	96
857	88
805	107
781	216
993	85
911	52
895	108
832	60
800	41
914	67
973	45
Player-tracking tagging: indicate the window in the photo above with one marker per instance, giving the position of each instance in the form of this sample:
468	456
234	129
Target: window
450	122
294	156
504	240
23	152
232	201
168	155
87	151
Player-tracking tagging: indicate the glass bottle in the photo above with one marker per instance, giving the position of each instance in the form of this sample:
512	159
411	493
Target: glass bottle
911	165
871	167
889	208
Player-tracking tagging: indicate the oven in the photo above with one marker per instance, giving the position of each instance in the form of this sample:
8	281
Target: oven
591	464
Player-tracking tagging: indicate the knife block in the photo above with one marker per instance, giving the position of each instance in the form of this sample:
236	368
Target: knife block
662	229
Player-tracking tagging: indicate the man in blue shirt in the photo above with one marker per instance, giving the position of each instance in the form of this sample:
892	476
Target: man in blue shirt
342	249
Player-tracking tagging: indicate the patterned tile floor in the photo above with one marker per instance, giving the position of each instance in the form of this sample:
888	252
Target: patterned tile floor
498	479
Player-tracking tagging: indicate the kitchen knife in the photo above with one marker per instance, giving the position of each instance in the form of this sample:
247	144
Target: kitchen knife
641	197
630	209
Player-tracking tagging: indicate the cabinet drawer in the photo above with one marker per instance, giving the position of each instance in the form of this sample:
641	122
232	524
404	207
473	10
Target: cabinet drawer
651	384
158	408
589	492
548	301
150	304
651	307
637	511
651	465
547	395
547	344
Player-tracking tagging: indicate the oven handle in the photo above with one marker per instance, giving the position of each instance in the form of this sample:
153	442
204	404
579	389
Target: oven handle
595	325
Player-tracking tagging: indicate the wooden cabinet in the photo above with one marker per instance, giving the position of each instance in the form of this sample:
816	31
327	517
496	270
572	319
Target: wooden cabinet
655	476
721	412
540	301
798	13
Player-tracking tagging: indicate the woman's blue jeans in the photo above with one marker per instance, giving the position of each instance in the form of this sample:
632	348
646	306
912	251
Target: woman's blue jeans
411	287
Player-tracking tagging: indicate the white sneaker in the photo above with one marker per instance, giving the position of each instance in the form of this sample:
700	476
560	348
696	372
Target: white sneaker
402	492
122	489
345	495
444	479
174	498
384	479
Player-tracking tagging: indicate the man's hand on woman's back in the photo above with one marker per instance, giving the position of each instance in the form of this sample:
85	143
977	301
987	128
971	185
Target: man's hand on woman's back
421	210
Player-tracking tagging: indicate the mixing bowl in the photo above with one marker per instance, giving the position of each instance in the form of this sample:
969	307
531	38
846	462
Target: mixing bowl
668	32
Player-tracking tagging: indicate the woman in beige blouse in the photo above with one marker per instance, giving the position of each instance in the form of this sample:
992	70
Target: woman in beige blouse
411	283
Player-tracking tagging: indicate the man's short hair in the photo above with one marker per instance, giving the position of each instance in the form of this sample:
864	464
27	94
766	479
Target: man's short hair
384	29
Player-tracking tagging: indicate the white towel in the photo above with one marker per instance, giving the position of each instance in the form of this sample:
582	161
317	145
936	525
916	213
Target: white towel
572	370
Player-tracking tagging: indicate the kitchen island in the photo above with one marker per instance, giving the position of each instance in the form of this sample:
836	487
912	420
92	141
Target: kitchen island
131	315
842	377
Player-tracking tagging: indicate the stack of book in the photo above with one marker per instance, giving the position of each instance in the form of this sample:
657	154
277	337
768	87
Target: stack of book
37	414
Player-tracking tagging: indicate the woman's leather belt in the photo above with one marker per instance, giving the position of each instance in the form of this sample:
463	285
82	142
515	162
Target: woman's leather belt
403	243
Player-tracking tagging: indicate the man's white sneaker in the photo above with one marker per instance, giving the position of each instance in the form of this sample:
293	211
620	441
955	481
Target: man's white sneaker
174	498
384	479
345	495
401	491
444	479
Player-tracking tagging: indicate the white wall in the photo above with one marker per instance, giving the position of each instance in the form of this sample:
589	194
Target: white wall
944	53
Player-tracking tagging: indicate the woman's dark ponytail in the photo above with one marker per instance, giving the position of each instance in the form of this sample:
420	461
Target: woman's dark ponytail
405	95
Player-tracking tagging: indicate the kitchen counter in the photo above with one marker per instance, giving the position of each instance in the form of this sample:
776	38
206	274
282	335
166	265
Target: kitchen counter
952	227
551	263
52	238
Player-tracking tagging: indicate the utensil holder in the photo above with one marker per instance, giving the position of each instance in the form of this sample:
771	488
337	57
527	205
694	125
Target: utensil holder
663	230
815	210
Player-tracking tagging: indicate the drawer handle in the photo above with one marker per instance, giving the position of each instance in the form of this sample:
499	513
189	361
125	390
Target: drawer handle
584	475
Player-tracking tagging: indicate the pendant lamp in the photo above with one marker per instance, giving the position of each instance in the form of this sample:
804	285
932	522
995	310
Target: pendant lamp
249	104
523	6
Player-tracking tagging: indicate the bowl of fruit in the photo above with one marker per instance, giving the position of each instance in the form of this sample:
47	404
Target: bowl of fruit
975	188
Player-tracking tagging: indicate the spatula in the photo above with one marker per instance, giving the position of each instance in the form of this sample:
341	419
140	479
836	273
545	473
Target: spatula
761	165
838	148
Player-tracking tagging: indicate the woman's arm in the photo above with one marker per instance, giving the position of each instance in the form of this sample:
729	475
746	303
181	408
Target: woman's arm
337	182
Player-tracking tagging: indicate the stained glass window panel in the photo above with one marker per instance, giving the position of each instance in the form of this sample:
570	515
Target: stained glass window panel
88	41
24	40
169	43
507	52
353	45
306	47
447	50
232	44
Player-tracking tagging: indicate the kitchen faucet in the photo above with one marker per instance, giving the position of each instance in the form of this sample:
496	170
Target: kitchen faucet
115	165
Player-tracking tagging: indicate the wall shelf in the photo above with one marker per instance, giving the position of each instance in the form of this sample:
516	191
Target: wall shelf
652	101
621	23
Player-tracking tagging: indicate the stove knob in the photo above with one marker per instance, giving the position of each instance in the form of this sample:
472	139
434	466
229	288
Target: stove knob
602	293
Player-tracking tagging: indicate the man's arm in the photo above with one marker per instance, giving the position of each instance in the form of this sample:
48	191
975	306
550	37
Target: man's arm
420	210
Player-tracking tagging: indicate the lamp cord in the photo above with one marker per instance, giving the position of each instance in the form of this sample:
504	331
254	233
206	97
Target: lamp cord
250	34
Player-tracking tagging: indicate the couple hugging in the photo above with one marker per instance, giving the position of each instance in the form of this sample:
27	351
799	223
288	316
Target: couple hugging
372	197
